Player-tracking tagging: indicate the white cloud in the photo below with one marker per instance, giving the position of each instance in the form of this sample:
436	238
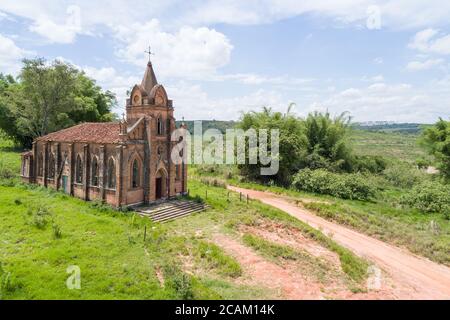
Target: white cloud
378	60
258	79
60	33
424	65
189	52
10	55
395	102
428	41
186	96
109	79
54	19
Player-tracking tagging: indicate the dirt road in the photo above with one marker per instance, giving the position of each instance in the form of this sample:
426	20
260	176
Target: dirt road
414	277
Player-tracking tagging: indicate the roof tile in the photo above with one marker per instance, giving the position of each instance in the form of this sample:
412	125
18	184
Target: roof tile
102	132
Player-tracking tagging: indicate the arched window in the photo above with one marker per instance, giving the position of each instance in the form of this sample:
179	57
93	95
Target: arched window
79	170
111	174
160	126
94	174
40	170
51	166
135	177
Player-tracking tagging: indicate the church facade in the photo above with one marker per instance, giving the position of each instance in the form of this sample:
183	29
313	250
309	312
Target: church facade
121	163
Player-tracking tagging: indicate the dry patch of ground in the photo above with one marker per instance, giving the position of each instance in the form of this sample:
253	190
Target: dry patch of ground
318	277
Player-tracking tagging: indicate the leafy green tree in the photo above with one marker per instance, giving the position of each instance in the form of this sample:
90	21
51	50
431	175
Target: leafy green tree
50	97
291	145
437	140
318	141
327	145
7	119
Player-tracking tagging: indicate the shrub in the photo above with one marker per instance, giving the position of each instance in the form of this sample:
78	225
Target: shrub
345	186
403	175
40	217
178	281
429	197
6	172
372	164
215	182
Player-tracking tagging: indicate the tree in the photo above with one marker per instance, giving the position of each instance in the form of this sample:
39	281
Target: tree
327	146
437	140
315	142
291	144
50	97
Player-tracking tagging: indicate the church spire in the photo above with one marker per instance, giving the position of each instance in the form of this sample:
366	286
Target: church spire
149	80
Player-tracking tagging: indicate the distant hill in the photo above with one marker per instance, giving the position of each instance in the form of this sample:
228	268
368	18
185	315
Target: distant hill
385	126
222	126
373	126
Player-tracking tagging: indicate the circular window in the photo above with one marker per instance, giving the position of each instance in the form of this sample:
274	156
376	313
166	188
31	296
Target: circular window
136	99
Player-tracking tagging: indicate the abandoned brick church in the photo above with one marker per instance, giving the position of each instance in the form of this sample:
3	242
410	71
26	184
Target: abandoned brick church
122	163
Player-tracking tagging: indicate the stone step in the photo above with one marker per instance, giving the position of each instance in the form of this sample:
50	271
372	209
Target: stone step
175	209
176	215
171	210
169	206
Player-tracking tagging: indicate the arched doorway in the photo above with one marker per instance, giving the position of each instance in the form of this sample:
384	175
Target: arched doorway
161	184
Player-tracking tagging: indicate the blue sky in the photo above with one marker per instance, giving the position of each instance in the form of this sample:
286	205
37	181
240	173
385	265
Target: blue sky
378	60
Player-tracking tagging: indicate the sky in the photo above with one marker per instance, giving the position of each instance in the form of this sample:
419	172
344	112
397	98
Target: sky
377	60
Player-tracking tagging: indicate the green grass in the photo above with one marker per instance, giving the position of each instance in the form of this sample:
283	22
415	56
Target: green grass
214	258
395	146
9	160
43	232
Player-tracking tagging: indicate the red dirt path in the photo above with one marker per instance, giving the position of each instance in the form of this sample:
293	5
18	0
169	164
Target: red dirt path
413	277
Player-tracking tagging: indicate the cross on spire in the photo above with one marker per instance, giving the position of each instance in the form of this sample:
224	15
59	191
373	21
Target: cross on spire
149	53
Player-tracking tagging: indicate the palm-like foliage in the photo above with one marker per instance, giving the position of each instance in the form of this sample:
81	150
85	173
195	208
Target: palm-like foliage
318	141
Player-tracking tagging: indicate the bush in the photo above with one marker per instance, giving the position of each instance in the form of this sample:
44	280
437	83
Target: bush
178	281
6	172
429	197
372	164
40	217
345	186
215	182
403	175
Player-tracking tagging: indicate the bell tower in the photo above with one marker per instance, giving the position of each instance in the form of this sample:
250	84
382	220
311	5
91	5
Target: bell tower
148	98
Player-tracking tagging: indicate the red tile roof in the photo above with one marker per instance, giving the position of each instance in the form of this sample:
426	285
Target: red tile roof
102	132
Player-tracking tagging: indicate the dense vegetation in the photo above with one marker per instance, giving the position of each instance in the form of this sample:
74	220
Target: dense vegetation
437	140
386	192
49	97
43	232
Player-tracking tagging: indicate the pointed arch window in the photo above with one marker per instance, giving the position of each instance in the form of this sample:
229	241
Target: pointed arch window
79	170
94	174
135	174
51	166
111	174
40	169
160	126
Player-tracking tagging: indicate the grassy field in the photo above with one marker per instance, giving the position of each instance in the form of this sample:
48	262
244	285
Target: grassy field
396	146
43	232
426	234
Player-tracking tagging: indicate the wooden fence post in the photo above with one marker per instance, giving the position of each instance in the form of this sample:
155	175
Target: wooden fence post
145	232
